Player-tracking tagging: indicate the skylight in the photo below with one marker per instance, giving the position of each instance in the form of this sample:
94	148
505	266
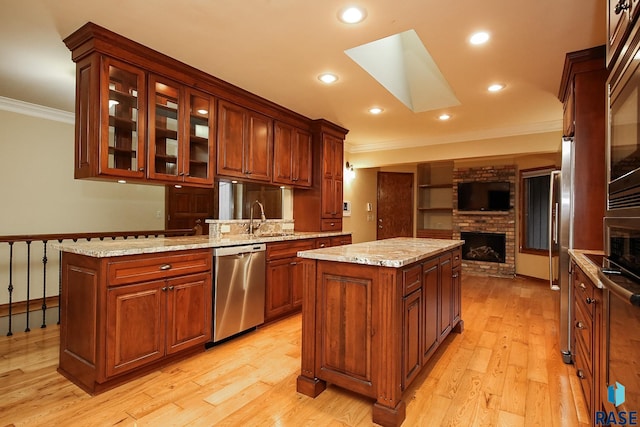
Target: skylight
404	67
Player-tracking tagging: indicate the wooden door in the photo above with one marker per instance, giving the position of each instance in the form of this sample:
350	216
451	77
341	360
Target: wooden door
230	141
395	205
411	351
135	325
184	206
283	148
430	319
302	162
279	298
258	146
188	311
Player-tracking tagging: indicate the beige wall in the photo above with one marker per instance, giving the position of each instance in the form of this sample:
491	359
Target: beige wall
40	195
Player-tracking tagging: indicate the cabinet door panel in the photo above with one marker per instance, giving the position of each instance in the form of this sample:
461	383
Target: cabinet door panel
123	112
302	161
411	352
199	137
165	133
231	134
456	293
446	295
135	326
279	299
258	147
188	311
283	149
431	327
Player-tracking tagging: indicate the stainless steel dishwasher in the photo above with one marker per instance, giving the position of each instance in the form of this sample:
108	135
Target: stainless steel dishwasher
238	289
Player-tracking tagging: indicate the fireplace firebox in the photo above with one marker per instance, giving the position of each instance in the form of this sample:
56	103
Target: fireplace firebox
487	247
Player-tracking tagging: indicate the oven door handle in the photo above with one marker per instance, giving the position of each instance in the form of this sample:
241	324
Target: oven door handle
620	291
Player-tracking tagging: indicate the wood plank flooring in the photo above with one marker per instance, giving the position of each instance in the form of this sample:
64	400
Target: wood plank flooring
505	369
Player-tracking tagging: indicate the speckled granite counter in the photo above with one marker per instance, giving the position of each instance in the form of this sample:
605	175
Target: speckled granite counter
131	246
590	269
395	253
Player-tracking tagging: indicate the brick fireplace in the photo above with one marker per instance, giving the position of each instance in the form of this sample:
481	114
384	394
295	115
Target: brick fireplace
488	228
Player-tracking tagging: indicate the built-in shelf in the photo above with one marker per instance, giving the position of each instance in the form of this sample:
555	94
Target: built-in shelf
435	200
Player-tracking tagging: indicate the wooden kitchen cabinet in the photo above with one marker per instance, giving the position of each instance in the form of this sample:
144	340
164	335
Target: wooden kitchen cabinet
584	96
621	14
372	329
283	285
587	342
122	316
244	144
111	111
292	158
319	208
181	133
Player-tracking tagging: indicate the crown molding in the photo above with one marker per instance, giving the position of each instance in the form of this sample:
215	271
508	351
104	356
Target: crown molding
35	110
542	127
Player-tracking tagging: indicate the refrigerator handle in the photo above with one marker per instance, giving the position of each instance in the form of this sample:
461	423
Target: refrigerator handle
553	227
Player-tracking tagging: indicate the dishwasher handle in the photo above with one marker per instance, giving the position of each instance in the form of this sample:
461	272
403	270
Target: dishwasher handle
237	250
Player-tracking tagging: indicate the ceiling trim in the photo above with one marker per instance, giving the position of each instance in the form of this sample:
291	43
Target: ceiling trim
35	110
542	127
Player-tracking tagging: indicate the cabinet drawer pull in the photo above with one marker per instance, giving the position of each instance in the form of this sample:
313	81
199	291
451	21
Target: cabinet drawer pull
620	6
293	263
165	267
164	289
582	286
333	224
590	300
170	288
580	374
455	275
580	325
322	245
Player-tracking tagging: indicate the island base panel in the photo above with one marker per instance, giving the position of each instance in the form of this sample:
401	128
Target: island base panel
389	417
459	328
311	387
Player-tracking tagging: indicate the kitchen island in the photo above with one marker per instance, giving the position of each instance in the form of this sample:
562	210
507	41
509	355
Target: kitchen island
374	313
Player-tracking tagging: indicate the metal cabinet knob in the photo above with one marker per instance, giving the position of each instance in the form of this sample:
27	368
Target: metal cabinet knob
580	374
582	286
580	325
590	300
164	289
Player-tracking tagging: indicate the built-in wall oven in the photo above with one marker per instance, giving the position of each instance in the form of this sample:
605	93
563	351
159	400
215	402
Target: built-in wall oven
621	278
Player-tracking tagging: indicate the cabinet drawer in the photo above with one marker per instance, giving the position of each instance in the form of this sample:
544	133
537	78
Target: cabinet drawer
456	257
288	249
341	240
139	268
585	293
331	225
323	242
411	279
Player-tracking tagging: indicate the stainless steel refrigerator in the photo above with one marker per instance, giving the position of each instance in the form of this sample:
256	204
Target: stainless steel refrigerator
560	241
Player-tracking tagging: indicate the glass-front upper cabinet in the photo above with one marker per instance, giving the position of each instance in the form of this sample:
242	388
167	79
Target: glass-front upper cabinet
123	109
165	135
180	132
200	137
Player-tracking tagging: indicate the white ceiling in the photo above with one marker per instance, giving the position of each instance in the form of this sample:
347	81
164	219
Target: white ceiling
277	48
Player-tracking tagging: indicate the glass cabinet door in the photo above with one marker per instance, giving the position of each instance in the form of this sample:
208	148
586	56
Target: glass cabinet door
198	165
123	111
164	129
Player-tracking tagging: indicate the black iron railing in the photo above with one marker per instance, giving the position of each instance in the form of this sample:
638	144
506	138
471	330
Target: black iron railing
20	300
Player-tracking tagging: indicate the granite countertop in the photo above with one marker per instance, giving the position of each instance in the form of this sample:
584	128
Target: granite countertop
131	246
586	265
396	252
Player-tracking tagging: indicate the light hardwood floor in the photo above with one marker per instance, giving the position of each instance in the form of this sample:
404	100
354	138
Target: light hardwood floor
503	370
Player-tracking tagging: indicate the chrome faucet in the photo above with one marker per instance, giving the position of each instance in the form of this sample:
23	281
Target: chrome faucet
253	228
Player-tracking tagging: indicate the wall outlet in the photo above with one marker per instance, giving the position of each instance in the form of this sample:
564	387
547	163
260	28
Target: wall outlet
158	214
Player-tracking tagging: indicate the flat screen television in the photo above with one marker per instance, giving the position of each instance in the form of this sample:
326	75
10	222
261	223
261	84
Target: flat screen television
484	196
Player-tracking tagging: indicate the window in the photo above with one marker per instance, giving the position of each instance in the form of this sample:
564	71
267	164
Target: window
534	224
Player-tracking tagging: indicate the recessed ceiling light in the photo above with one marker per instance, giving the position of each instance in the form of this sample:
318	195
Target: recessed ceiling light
375	110
495	87
328	78
444	117
352	15
479	38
